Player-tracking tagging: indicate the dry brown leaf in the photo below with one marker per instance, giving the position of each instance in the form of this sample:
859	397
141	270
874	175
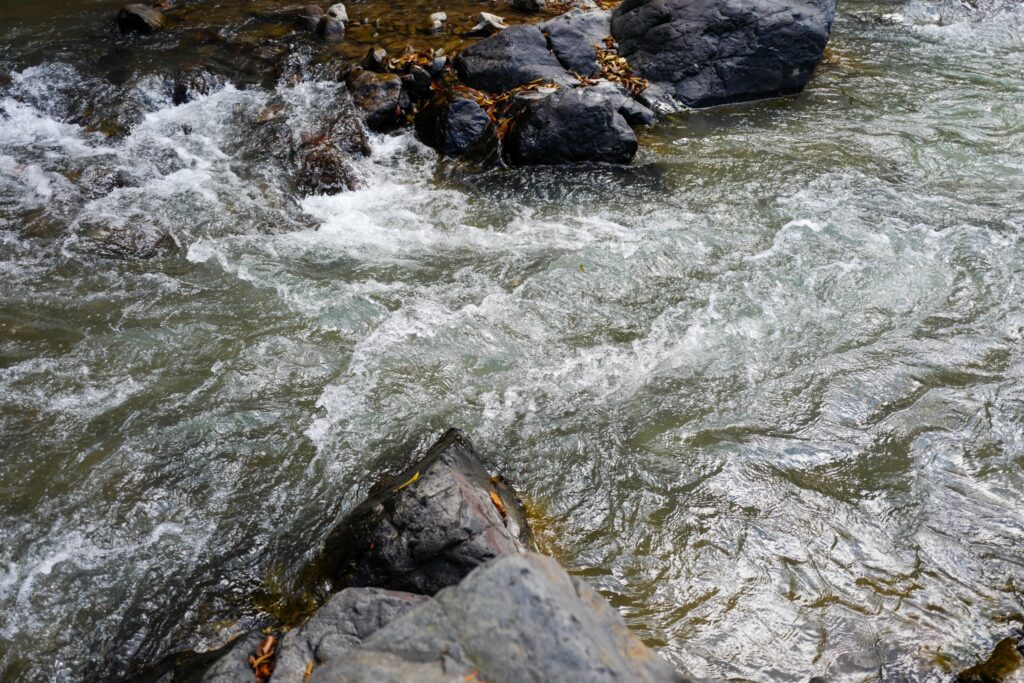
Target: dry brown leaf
498	503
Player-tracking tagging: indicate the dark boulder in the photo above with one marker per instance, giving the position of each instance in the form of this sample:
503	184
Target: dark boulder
570	126
349	618
428	527
454	126
516	619
573	37
194	82
709	52
516	56
380	96
137	18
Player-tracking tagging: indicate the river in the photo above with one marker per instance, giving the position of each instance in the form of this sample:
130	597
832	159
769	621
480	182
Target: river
764	389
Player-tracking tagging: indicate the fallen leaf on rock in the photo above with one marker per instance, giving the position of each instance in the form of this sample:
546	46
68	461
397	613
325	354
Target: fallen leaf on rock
414	479
496	499
262	662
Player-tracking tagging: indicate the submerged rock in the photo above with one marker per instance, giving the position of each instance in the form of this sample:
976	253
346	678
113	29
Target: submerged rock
428	527
325	169
517	56
194	82
573	38
138	18
380	96
1004	665
708	52
573	125
349	618
519	618
128	243
376	59
454	126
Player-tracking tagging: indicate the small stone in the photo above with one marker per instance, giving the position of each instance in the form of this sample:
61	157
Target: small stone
487	24
418	81
138	18
309	17
331	29
338	13
376	59
436	22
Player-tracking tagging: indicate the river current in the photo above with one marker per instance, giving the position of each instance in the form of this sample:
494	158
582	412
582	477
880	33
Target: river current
764	389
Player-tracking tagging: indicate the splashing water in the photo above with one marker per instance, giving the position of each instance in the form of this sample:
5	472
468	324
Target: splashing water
766	386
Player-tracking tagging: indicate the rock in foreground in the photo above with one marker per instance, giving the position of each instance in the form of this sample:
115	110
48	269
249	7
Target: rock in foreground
349	618
708	52
519	618
429	526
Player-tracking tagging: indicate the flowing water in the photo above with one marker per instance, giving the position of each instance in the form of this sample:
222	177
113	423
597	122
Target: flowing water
764	389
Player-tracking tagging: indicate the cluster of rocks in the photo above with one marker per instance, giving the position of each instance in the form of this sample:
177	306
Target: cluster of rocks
558	103
437	581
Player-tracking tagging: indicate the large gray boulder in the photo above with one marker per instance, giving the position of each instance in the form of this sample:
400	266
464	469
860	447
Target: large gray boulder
573	37
707	52
517	56
349	618
575	125
428	527
519	619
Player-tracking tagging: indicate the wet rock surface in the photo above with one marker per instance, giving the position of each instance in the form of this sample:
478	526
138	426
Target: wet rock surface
349	618
519	618
429	526
454	126
710	52
515	57
572	125
380	96
194	82
573	36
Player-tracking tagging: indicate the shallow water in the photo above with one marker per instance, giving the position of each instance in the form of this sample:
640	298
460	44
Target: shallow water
765	389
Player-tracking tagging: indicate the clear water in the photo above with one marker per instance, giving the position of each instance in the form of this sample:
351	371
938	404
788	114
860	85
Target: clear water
765	389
